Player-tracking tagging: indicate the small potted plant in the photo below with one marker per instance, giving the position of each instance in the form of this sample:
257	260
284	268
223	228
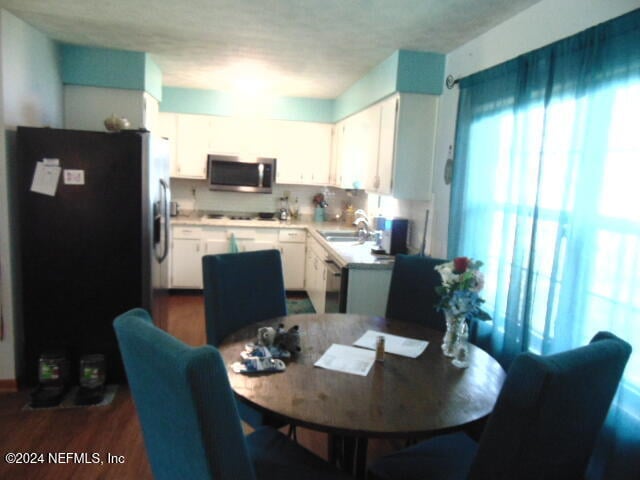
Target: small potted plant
320	204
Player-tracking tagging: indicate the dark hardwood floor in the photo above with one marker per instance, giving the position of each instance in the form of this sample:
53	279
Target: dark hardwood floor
110	430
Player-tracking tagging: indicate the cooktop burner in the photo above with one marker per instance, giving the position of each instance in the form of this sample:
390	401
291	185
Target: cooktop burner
240	217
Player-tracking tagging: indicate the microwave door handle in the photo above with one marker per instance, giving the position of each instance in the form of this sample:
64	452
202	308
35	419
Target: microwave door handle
260	175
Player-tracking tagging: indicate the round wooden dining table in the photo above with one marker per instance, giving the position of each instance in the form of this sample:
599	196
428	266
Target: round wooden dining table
399	398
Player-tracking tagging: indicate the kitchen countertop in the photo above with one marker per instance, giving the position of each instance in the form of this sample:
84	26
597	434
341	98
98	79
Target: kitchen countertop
346	254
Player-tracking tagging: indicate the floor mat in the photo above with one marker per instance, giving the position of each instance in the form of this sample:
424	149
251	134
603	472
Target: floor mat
299	305
67	401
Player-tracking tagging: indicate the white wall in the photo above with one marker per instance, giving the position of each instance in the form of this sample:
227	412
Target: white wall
194	194
544	23
31	95
86	108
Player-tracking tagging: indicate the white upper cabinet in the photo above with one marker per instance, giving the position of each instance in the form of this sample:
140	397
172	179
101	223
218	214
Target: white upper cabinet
407	151
168	128
302	149
381	180
224	136
389	147
356	148
192	146
303	152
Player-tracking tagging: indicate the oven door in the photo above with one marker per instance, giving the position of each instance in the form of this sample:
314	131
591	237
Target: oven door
336	288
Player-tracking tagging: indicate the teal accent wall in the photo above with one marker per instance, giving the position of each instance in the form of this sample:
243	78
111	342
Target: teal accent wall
380	82
420	72
214	102
404	71
152	78
103	67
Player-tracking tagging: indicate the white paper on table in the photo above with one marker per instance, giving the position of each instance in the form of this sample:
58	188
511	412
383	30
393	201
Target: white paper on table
407	347
45	179
343	358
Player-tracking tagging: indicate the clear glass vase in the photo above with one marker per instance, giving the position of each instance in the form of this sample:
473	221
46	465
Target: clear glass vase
461	346
451	333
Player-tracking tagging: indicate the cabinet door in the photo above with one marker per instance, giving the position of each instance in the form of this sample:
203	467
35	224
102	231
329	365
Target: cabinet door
415	146
293	265
186	263
255	245
386	150
168	128
359	147
336	155
192	146
308	269
224	136
314	142
215	246
321	278
369	145
303	152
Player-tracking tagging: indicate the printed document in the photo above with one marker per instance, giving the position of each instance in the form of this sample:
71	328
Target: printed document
343	358
407	347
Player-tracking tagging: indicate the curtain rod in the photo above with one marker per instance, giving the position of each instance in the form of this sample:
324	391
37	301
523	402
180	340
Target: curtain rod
451	81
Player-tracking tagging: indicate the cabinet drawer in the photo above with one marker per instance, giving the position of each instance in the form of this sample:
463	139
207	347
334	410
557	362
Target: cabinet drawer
295	236
242	233
187	232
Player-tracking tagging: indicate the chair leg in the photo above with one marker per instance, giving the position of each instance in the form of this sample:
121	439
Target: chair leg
293	434
410	441
360	465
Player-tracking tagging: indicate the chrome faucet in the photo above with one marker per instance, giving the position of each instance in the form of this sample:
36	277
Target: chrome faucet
362	222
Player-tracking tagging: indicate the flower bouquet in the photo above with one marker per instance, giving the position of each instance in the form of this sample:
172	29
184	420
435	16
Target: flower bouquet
460	301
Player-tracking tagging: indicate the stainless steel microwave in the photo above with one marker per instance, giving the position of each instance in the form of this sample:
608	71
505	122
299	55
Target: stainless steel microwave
232	174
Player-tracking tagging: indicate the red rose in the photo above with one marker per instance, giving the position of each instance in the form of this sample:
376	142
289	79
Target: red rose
460	264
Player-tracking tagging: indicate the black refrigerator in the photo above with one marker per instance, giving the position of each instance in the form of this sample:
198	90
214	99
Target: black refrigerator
92	236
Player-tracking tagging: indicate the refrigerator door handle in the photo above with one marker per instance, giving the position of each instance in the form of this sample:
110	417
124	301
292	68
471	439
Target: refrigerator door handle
165	220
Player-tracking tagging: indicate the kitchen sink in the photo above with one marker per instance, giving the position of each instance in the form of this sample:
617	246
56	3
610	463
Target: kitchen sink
331	238
339	236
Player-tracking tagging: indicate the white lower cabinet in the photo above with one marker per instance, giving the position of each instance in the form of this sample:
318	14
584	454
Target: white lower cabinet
368	291
189	244
186	257
316	274
292	245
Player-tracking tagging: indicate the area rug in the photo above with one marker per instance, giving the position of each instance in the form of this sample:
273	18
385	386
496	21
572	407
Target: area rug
299	305
67	401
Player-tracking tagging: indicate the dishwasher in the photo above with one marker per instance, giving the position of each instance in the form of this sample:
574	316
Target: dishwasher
336	288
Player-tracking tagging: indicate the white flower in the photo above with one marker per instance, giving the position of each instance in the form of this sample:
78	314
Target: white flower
478	283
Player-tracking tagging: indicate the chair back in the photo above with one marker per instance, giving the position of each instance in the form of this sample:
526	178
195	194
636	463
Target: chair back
412	293
550	411
241	289
184	402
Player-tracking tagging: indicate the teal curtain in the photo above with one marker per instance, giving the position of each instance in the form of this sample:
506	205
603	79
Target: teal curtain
546	192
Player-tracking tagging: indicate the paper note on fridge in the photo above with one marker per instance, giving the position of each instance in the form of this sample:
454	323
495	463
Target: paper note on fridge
73	177
45	179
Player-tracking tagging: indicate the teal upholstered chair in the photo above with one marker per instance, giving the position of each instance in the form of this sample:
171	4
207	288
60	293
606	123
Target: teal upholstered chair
241	289
412	292
413	297
544	425
188	414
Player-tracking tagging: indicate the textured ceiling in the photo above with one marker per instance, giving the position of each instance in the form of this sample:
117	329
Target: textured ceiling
308	48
